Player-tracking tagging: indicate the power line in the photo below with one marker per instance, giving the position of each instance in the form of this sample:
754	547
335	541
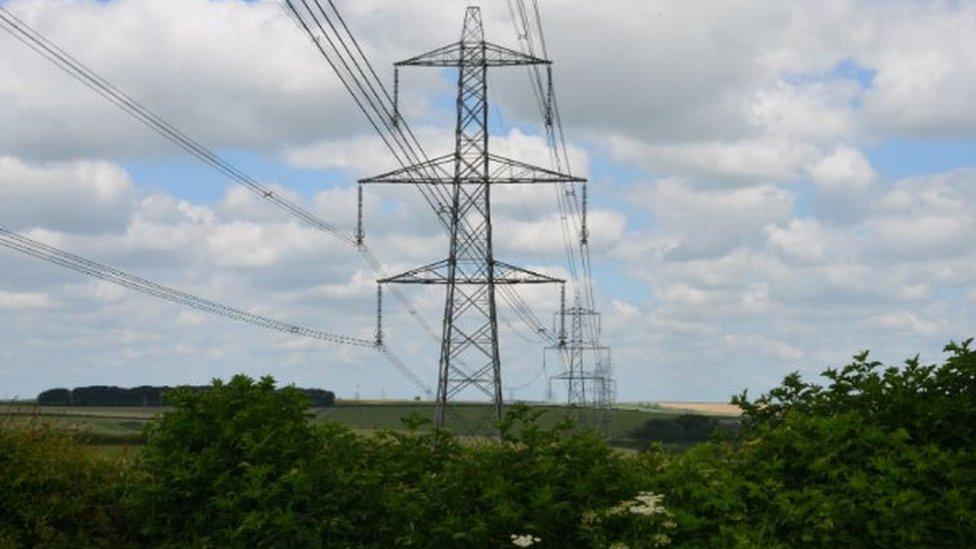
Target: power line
50	254
403	140
584	317
345	56
88	77
37	42
471	272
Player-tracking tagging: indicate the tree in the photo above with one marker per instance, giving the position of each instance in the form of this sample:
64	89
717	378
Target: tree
877	457
54	397
214	464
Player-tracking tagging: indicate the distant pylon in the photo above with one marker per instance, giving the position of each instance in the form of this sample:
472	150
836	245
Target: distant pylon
587	366
469	356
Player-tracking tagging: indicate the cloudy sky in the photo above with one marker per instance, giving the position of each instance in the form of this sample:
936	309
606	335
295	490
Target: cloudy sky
775	186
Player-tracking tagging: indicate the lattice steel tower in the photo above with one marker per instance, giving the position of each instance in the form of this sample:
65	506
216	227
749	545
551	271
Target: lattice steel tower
588	371
469	356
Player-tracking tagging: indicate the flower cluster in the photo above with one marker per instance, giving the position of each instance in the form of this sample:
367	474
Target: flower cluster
644	503
648	503
525	540
641	521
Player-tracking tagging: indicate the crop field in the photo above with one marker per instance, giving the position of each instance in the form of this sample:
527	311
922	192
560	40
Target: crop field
721	409
117	427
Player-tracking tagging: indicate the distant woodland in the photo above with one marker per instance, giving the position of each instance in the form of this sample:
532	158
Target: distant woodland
104	395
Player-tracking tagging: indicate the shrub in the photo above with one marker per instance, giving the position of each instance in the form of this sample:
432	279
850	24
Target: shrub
103	395
532	482
212	468
53	492
684	429
875	458
240	465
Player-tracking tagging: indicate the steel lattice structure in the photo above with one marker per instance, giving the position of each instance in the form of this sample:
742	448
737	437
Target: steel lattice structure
588	372
586	386
469	356
457	185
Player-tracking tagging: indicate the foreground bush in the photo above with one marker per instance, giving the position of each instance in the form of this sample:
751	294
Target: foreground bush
878	457
218	468
240	465
53	493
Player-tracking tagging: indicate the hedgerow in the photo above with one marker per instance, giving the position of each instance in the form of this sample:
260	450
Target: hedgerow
54	492
876	457
880	457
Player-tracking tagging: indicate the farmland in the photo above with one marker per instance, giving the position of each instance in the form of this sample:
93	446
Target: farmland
110	426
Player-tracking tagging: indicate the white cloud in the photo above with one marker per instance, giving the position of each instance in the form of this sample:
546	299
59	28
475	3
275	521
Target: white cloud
684	293
761	345
19	300
362	155
82	195
803	240
925	217
228	73
770	159
368	155
924	73
709	222
843	171
921	237
906	322
545	236
819	112
361	285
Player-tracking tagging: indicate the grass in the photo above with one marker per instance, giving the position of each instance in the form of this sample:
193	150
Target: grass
472	418
112	430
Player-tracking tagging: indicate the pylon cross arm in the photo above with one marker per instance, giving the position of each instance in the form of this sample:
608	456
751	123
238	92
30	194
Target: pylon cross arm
459	54
501	171
438	273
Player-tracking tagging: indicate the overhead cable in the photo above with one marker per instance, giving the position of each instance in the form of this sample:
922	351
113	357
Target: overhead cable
69	64
50	254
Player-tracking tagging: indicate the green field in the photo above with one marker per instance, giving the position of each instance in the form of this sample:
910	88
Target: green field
114	428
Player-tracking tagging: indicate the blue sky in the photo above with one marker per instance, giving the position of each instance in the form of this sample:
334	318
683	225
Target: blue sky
774	187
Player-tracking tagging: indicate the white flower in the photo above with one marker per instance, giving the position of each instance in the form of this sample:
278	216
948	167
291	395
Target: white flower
649	498
525	540
647	503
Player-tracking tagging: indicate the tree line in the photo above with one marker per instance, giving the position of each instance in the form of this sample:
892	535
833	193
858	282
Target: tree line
145	395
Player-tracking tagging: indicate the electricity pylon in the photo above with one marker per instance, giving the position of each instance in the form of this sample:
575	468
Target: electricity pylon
587	367
585	359
469	356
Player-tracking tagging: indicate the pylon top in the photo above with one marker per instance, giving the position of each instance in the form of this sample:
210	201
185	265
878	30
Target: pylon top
473	35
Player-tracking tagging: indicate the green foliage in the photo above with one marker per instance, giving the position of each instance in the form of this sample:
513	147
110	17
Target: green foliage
145	395
642	521
53	493
684	429
875	458
216	469
878	457
932	403
240	466
533	481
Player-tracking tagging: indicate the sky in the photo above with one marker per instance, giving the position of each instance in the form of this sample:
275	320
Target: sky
775	186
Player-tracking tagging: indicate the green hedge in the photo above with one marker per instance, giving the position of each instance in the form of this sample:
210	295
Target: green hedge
877	457
54	493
